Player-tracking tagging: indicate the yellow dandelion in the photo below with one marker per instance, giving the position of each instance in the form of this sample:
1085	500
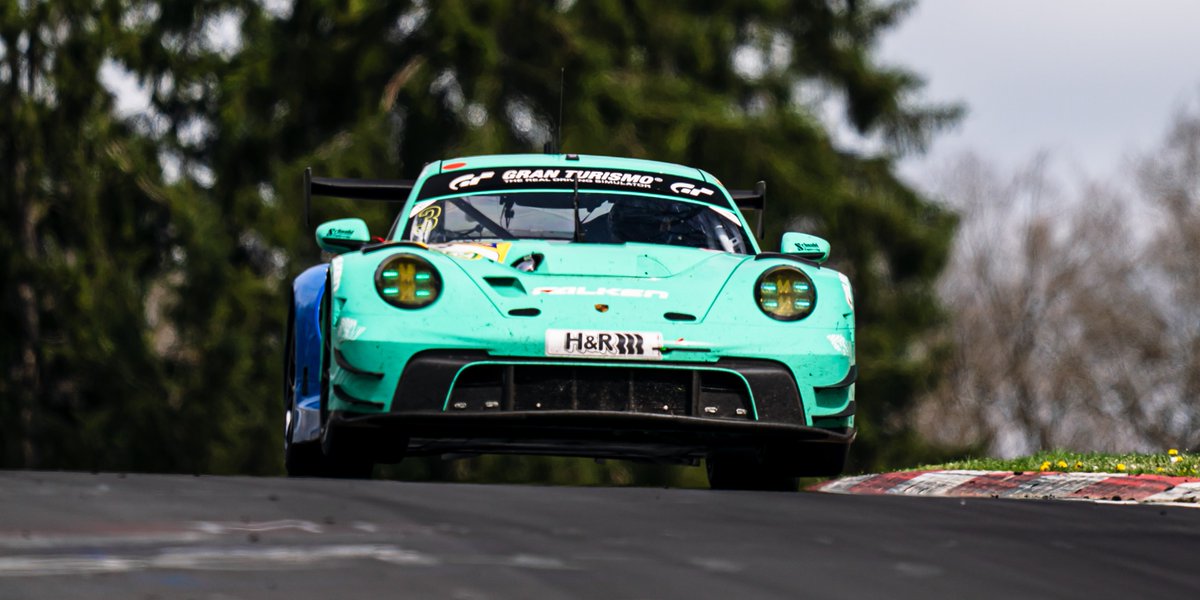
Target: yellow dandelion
1173	452
1078	465
1175	459
1160	469
1062	464
1045	466
1120	466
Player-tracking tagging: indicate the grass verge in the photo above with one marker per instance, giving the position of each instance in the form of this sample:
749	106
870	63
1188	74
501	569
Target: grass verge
1171	462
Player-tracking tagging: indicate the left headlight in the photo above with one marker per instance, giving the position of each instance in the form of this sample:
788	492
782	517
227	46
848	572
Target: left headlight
785	293
408	281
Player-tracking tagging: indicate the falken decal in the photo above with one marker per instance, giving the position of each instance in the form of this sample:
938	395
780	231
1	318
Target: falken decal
607	292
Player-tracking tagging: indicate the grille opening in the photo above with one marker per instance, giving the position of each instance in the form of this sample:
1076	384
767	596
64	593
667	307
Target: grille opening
674	316
477	386
722	394
537	387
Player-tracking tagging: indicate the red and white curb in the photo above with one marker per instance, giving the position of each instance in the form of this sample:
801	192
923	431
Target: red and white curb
1098	487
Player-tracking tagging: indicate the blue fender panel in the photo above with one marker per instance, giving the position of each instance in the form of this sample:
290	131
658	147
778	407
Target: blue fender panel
308	290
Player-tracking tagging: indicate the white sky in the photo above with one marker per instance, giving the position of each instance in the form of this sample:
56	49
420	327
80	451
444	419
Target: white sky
1090	81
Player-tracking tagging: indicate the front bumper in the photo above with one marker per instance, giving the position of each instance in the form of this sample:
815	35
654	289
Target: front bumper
471	402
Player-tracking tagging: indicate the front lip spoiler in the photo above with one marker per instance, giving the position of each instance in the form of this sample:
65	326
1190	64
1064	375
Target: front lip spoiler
583	433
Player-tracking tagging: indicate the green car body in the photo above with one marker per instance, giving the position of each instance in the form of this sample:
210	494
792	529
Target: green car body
589	346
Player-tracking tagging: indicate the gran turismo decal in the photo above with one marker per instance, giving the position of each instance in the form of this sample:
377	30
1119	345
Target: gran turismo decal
688	189
465	181
621	178
542	178
607	292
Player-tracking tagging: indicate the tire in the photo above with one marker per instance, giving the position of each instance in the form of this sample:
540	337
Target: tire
820	460
747	472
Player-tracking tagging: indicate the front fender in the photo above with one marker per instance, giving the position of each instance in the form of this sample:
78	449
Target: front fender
308	290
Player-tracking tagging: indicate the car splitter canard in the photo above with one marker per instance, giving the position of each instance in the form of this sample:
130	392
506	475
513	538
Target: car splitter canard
571	305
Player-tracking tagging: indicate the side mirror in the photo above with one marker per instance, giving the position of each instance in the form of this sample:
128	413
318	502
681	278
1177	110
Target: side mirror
805	246
342	235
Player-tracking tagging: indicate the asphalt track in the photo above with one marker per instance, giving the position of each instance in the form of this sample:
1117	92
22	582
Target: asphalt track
75	535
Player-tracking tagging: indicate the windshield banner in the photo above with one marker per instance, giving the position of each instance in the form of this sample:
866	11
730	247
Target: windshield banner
528	178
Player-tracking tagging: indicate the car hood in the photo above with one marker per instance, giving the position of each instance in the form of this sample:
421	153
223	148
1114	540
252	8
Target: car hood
639	280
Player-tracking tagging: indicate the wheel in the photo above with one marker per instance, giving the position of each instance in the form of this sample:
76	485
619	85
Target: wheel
747	472
820	460
775	468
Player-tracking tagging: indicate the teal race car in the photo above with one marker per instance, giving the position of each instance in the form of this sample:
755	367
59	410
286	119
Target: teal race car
571	305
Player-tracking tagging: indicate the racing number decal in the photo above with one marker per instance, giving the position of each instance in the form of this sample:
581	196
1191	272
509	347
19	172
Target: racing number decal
427	220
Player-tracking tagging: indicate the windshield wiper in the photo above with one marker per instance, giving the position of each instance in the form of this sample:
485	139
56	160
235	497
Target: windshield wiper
575	206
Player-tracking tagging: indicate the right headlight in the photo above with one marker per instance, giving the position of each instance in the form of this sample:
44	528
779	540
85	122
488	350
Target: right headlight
408	281
785	293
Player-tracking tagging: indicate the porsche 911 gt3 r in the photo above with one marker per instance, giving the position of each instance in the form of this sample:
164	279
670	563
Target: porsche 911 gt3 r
570	305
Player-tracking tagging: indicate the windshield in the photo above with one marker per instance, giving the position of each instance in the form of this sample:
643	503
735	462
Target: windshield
605	218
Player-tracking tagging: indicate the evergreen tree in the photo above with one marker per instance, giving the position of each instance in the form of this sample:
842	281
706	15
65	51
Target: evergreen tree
86	238
378	89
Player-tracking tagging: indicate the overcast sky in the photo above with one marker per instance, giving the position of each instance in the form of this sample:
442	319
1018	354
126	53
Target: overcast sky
1090	81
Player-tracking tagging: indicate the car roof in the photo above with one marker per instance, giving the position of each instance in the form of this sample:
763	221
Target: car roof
587	161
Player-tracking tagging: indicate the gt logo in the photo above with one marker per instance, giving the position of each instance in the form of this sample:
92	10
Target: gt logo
688	189
469	180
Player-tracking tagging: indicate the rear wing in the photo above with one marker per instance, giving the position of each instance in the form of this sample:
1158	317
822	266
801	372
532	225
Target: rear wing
755	200
378	190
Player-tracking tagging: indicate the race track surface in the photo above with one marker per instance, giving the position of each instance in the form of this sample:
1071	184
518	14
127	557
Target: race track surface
73	535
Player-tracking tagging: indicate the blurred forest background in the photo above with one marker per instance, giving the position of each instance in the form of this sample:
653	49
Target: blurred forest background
146	252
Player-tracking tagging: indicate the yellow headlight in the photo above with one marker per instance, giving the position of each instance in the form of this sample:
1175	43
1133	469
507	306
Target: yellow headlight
408	281
786	293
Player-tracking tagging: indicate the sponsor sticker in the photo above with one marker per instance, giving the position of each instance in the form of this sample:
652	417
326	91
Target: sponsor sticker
334	232
847	290
335	272
608	292
839	343
469	180
348	329
515	178
494	251
688	189
591	343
